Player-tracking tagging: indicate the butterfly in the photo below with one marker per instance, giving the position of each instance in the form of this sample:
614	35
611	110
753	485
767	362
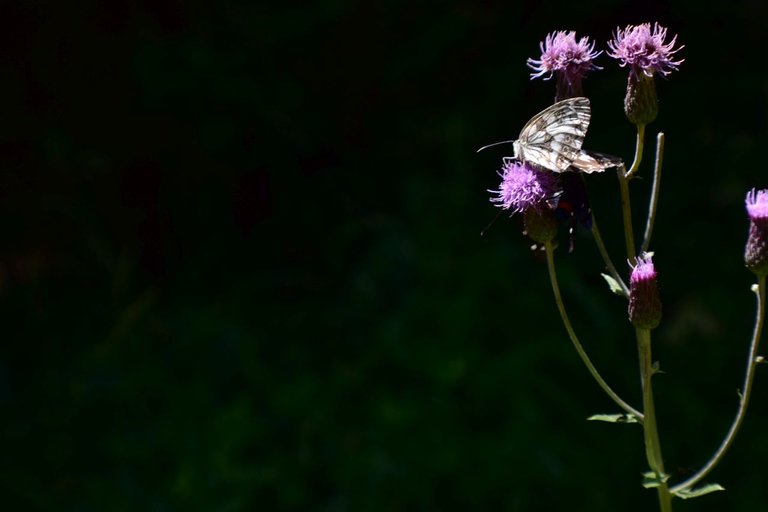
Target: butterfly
552	139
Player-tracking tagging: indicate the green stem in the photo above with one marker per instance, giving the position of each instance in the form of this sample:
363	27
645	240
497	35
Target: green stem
654	192
752	363
639	144
606	257
626	210
579	348
650	430
629	237
652	443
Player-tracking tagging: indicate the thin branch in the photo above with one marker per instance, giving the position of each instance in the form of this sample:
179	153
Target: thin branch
654	192
639	145
626	210
752	363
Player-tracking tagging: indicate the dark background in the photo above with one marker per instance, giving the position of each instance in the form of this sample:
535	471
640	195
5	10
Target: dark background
241	268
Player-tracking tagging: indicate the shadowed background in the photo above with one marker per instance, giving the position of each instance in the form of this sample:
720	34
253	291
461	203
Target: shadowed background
241	266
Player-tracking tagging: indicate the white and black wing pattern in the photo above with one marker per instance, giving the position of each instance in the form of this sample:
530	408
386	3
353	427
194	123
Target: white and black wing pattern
592	161
552	139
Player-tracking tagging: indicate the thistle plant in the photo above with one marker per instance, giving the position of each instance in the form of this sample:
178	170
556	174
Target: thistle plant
544	182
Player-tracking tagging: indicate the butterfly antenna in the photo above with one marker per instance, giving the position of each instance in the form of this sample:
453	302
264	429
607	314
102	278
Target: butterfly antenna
482	233
495	144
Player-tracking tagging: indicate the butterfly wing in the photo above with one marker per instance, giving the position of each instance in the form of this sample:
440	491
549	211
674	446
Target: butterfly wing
552	139
592	161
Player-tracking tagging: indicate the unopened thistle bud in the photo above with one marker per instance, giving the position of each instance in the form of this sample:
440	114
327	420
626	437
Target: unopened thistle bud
756	252
641	106
644	301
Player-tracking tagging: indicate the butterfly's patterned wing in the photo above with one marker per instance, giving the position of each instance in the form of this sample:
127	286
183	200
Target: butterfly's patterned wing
552	139
592	161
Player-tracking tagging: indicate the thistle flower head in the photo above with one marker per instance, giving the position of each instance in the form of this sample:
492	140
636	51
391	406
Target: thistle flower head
756	251
643	49
523	187
644	301
643	270
569	59
757	204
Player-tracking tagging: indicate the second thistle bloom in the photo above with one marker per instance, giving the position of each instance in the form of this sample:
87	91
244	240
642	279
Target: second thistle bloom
756	252
643	49
568	59
644	300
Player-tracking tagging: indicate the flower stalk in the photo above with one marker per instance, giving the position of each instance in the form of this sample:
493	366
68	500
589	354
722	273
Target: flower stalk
650	430
549	249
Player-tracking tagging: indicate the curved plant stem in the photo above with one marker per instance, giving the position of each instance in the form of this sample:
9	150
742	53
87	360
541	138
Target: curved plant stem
654	192
579	348
652	444
607	258
638	150
746	391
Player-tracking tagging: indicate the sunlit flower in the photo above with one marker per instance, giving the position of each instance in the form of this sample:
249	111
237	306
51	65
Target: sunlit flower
643	49
523	187
568	59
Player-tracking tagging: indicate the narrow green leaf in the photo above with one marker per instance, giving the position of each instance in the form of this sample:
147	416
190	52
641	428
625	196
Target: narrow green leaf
613	284
699	491
614	418
651	479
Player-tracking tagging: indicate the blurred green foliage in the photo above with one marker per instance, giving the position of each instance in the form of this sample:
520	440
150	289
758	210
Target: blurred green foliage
241	266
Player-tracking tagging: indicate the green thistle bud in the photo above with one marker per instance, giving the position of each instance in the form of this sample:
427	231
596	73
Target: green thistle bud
641	105
541	224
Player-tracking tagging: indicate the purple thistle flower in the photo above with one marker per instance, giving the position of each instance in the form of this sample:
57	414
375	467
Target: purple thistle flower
643	270
757	205
570	59
524	188
756	252
643	49
644	301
